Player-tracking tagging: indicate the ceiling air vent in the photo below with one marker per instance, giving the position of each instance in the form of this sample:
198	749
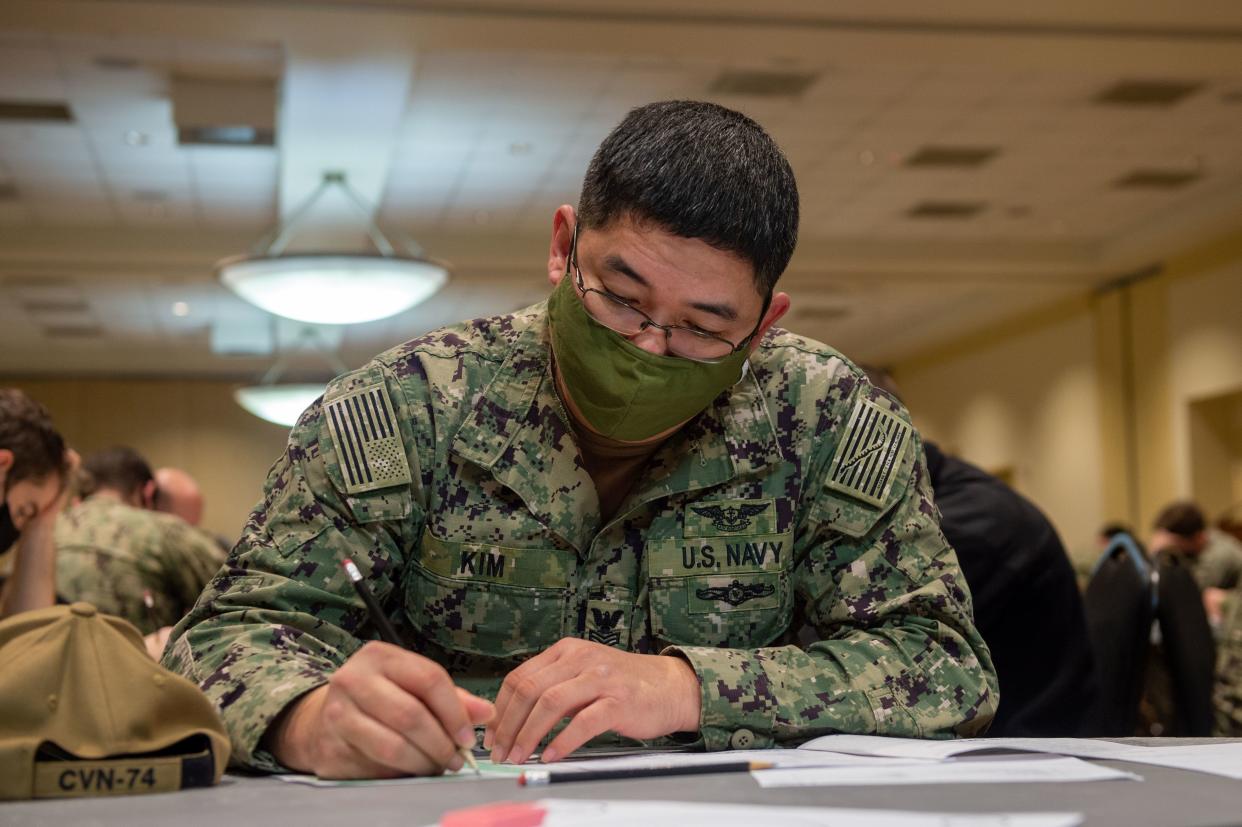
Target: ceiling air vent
41	111
1156	179
758	83
946	209
1147	92
224	112
73	332
56	306
952	157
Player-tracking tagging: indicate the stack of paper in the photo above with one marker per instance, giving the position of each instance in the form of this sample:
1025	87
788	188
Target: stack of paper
564	813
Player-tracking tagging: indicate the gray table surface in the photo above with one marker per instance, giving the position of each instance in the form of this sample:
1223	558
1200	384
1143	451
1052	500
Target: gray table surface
1166	797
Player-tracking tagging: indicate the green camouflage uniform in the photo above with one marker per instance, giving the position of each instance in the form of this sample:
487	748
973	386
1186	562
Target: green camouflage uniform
446	468
109	553
1219	565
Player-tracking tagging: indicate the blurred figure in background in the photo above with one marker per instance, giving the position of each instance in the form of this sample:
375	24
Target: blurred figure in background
1213	556
129	560
177	493
1026	598
34	468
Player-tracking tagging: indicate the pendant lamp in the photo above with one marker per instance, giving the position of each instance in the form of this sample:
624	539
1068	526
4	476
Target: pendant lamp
332	287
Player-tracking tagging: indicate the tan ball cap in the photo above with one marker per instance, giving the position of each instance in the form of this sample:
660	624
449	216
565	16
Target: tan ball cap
87	712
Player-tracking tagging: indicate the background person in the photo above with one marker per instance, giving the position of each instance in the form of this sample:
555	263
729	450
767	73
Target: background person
34	467
128	560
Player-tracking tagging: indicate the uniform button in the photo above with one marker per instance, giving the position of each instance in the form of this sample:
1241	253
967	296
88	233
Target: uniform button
83	609
742	739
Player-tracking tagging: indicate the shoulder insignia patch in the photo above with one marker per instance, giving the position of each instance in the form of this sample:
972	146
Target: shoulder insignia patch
869	453
368	444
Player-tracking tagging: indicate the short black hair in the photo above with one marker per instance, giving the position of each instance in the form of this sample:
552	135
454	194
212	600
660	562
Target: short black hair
698	170
1185	519
26	429
1111	530
120	468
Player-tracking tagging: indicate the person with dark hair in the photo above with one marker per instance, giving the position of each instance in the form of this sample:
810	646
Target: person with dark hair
114	551
34	466
616	507
1213	556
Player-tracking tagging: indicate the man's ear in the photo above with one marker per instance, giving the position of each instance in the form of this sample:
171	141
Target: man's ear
777	308
563	223
6	461
149	490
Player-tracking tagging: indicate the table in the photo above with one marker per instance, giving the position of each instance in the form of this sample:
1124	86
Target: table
1165	797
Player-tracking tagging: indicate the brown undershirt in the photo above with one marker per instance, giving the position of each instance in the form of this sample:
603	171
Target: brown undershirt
614	467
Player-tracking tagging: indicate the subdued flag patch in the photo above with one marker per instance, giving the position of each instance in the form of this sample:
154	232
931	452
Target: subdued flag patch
368	443
869	453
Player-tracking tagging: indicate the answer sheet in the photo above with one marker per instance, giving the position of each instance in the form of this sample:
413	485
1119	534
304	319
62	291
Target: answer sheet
587	813
1032	770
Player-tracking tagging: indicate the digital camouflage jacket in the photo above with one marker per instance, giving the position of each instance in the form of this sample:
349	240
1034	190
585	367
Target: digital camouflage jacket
447	470
110	554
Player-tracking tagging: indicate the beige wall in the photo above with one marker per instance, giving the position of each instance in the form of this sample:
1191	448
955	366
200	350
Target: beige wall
192	425
1053	396
1205	331
1025	404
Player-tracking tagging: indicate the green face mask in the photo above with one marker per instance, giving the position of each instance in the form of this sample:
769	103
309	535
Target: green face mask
622	391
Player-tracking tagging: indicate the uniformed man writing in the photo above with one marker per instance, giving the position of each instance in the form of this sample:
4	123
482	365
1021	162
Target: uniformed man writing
609	509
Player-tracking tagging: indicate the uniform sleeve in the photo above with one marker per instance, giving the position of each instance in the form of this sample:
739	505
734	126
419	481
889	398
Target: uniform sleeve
281	615
898	653
190	559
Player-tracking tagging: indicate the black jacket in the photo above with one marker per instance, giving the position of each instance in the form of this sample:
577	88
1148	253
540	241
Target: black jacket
1027	604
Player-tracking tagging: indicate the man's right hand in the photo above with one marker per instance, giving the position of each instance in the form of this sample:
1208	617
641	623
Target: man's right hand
385	713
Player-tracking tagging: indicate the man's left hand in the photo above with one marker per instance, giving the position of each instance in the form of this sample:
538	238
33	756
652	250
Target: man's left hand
601	689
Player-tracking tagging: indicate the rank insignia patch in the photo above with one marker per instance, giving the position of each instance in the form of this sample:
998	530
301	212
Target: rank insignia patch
731	518
736	593
368	444
604	626
869	453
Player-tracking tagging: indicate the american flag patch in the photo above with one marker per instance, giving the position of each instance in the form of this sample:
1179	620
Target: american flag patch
368	444
869	453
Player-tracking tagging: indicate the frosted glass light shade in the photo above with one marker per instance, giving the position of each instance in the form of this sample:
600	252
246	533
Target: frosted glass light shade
332	288
280	404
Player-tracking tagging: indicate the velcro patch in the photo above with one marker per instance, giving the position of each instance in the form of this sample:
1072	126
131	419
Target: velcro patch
869	453
368	443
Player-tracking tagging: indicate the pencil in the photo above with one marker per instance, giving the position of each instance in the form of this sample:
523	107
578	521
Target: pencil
389	634
537	778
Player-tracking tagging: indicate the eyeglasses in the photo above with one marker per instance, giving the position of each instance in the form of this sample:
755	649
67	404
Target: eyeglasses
620	316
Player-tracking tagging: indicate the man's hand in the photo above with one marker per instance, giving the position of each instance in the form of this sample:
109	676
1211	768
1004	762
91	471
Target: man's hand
1214	604
156	641
385	713
601	688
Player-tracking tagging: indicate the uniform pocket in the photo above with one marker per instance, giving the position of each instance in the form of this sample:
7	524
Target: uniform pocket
736	610
483	618
498	601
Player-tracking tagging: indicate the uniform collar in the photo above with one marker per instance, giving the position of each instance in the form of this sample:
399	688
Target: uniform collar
519	431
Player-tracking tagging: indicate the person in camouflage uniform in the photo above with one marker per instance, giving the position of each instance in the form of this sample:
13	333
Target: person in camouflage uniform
113	551
587	515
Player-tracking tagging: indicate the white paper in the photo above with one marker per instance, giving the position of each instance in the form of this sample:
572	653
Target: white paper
1216	759
777	757
1034	770
1223	759
564	813
940	750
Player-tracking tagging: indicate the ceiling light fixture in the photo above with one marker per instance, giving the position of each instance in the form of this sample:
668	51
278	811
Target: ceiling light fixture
278	404
332	287
281	403
181	309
